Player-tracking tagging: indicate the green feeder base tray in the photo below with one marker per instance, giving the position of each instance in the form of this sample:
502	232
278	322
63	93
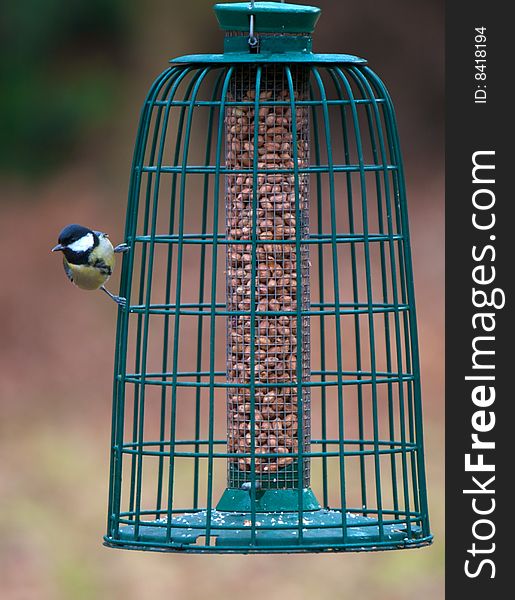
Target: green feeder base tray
272	532
267	500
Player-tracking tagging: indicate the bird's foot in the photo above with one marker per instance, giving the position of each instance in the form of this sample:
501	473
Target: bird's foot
122	248
118	299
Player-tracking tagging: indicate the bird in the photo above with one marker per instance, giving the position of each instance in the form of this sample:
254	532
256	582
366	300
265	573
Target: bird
88	258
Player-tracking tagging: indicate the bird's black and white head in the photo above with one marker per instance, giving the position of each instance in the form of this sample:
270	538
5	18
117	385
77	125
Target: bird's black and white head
76	243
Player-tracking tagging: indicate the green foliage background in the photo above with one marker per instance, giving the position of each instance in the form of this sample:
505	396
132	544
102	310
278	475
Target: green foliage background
60	66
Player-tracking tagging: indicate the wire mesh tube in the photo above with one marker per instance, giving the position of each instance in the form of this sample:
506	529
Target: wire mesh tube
267	217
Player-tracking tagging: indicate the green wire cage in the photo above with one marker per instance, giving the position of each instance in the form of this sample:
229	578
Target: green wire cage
266	391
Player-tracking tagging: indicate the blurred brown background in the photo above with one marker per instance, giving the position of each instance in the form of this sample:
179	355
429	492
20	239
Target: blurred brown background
73	77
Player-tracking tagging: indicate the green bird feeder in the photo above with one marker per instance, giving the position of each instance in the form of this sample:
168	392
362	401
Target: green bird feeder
266	389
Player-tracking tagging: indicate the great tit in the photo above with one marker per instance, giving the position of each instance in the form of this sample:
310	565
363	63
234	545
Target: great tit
88	258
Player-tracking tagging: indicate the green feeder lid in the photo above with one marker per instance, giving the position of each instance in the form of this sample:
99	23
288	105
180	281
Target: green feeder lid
270	17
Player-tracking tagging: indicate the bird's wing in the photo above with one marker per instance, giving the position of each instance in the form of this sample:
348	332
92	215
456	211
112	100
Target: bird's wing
103	267
67	270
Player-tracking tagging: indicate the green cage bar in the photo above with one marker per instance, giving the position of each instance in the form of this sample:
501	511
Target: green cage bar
267	380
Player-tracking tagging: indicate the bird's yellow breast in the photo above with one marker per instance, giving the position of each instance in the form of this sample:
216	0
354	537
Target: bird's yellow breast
97	271
85	276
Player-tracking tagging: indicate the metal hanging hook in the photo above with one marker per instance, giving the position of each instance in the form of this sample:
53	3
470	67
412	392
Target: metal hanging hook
253	41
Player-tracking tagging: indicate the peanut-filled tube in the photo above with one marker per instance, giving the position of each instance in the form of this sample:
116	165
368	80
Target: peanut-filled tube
267	259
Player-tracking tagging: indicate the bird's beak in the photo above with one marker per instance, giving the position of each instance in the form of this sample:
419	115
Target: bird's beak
58	247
